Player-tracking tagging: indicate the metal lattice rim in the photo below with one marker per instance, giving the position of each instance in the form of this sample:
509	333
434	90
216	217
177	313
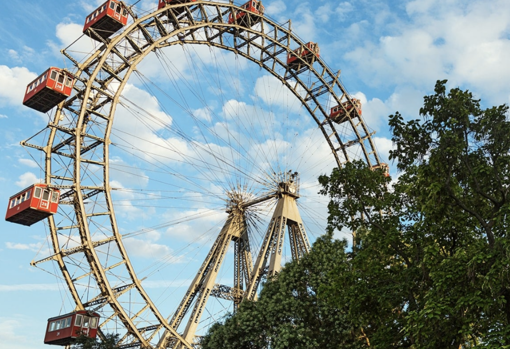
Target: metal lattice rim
197	16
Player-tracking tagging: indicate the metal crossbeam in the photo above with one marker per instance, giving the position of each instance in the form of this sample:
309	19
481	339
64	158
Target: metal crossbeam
70	251
318	91
101	299
227	292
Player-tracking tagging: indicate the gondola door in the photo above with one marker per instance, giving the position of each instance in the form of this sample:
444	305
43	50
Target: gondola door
117	11
59	79
45	200
85	326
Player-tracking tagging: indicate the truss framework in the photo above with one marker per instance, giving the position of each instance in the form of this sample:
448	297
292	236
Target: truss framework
234	230
246	278
286	215
77	154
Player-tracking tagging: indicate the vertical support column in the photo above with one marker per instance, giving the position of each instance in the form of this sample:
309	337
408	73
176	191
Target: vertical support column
200	289
286	215
246	258
233	230
275	263
238	270
299	240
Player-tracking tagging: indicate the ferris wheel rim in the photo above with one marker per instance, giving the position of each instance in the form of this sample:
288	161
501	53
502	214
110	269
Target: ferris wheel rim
78	134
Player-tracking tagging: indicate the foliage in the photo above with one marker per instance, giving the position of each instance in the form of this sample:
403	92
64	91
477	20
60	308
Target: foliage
431	271
430	264
290	312
84	342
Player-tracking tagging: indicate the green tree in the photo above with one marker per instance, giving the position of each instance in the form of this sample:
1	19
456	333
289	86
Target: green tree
290	312
84	342
431	271
430	265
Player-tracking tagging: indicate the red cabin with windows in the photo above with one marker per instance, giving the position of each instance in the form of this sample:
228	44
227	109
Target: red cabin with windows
163	3
308	53
32	204
338	114
384	167
64	329
246	18
49	89
106	20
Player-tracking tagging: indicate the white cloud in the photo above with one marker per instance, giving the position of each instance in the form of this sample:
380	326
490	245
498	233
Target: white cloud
191	233
204	114
26	53
406	99
305	25
13	334
140	101
148	284
273	92
342	10
90	6
41	247
71	33
28	162
146	130
2	116
12	331
374	112
275	8
409	58
420	6
67	33
200	230
27	179
125	174
383	146
24	247
247	115
191	63
14	83
31	287
443	39
124	202
324	12
148	248
162	67
14	55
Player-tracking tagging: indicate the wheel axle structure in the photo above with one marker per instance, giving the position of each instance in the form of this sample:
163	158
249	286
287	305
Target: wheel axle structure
88	244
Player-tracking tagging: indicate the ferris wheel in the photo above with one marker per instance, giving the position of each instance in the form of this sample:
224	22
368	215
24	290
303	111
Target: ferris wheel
200	120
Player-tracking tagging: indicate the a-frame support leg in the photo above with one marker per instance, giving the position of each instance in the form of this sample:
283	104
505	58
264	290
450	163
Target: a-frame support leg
200	289
286	215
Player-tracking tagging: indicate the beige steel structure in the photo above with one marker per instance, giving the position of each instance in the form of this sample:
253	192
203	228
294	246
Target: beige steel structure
78	139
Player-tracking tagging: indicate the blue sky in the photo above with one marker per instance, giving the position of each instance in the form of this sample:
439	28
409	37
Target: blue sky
390	54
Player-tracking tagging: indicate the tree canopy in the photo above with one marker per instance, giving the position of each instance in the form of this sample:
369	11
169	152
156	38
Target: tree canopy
290	313
430	263
109	342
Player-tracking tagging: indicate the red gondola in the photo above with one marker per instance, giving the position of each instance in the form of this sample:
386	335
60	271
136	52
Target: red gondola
309	52
49	89
338	113
163	3
106	20
246	18
64	329
32	204
384	167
